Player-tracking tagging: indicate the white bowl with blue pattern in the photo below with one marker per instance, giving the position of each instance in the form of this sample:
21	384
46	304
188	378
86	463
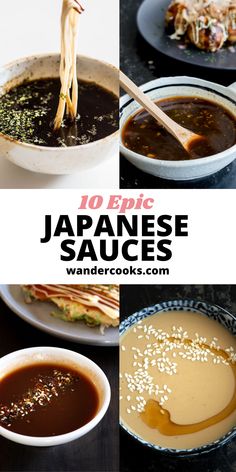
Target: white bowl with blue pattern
215	312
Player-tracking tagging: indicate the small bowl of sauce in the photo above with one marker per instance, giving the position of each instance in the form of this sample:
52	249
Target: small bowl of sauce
29	94
205	108
50	396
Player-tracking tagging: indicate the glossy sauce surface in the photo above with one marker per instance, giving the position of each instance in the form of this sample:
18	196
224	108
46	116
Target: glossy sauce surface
143	135
155	416
27	114
178	379
46	400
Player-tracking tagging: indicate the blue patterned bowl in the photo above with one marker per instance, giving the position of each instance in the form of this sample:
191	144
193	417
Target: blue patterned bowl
212	311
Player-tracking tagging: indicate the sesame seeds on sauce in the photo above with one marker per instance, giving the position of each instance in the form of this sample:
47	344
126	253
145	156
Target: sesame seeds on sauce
44	389
157	356
46	400
163	354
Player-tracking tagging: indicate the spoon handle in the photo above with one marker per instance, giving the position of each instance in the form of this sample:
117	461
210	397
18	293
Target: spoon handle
181	134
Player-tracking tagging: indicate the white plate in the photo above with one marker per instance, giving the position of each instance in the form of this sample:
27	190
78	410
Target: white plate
38	314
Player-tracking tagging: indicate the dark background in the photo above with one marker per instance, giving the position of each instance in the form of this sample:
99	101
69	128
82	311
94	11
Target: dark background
136	457
142	63
98	450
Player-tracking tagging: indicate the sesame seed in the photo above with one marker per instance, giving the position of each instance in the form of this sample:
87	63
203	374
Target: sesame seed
159	355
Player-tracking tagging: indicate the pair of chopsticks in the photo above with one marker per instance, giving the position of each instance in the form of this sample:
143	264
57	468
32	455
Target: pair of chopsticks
78	7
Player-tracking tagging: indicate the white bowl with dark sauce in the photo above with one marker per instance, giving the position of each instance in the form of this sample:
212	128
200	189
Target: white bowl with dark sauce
78	152
168	88
50	396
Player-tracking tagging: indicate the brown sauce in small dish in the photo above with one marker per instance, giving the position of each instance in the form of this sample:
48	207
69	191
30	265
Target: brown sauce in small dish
143	135
46	400
27	114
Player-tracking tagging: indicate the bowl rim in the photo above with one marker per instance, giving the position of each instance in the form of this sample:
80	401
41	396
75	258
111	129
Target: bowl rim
205	448
60	149
71	435
126	101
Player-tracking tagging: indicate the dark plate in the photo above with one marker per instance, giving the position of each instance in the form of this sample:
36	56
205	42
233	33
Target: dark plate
151	25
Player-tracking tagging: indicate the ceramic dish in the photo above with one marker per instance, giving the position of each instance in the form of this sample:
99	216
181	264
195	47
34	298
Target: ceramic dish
151	24
35	355
38	315
174	87
62	160
212	311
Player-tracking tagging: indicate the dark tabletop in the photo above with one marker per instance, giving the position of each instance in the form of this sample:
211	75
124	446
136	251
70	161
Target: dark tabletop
98	451
134	456
142	63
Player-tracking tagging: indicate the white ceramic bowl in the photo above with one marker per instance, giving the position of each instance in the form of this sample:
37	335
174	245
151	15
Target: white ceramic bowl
173	87
62	160
39	355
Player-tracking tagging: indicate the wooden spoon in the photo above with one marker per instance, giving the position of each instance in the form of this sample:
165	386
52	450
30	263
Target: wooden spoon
183	135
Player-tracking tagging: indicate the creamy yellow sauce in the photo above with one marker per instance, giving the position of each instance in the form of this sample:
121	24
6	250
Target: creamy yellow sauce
178	379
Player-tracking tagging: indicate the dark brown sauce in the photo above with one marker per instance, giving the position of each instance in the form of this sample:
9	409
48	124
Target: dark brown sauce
143	135
46	400
155	416
27	114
